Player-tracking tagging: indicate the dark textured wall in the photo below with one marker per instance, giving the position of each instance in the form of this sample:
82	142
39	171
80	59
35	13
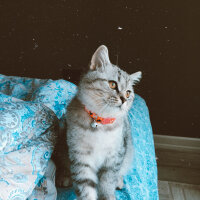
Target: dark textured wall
56	39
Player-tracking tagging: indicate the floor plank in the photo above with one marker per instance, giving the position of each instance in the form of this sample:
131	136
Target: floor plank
190	192
178	191
164	190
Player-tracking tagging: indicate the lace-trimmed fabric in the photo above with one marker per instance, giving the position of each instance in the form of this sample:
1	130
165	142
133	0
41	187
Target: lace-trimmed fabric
29	113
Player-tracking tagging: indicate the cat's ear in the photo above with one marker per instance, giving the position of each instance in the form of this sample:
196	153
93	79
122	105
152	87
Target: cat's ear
135	77
100	58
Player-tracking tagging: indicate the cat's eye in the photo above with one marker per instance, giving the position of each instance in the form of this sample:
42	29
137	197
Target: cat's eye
128	92
113	84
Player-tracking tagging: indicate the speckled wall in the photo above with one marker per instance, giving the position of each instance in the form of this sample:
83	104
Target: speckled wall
56	39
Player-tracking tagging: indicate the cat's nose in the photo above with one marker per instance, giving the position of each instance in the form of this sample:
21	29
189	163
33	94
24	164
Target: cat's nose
122	99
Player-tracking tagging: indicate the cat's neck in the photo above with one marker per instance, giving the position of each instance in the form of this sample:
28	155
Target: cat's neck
76	112
103	113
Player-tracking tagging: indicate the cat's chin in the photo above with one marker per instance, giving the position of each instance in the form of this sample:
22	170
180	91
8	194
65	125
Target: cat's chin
124	108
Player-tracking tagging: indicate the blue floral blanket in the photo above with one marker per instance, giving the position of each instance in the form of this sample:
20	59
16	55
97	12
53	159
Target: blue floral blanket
30	110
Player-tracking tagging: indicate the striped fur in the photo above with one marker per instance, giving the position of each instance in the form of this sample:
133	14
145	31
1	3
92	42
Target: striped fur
99	157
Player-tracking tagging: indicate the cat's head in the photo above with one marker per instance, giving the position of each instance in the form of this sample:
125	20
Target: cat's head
106	89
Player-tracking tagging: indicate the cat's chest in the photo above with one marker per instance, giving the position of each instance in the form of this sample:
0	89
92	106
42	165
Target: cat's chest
105	144
107	139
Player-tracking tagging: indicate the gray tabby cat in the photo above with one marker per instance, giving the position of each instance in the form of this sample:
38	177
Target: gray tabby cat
100	153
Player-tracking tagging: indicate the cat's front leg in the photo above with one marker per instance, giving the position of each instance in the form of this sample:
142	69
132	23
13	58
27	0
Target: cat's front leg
108	179
84	181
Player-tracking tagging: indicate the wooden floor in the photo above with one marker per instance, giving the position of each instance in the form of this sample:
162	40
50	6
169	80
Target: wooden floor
178	191
178	160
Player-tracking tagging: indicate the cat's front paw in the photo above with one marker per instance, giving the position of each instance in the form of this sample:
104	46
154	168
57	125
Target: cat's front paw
110	197
120	183
63	181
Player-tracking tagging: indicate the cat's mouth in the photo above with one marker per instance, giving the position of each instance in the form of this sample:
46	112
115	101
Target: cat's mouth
114	104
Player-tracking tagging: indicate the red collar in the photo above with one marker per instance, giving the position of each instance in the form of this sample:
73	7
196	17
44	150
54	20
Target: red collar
100	120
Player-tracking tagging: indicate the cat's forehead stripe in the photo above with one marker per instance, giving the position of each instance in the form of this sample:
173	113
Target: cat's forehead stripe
124	80
99	79
96	79
119	75
127	81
